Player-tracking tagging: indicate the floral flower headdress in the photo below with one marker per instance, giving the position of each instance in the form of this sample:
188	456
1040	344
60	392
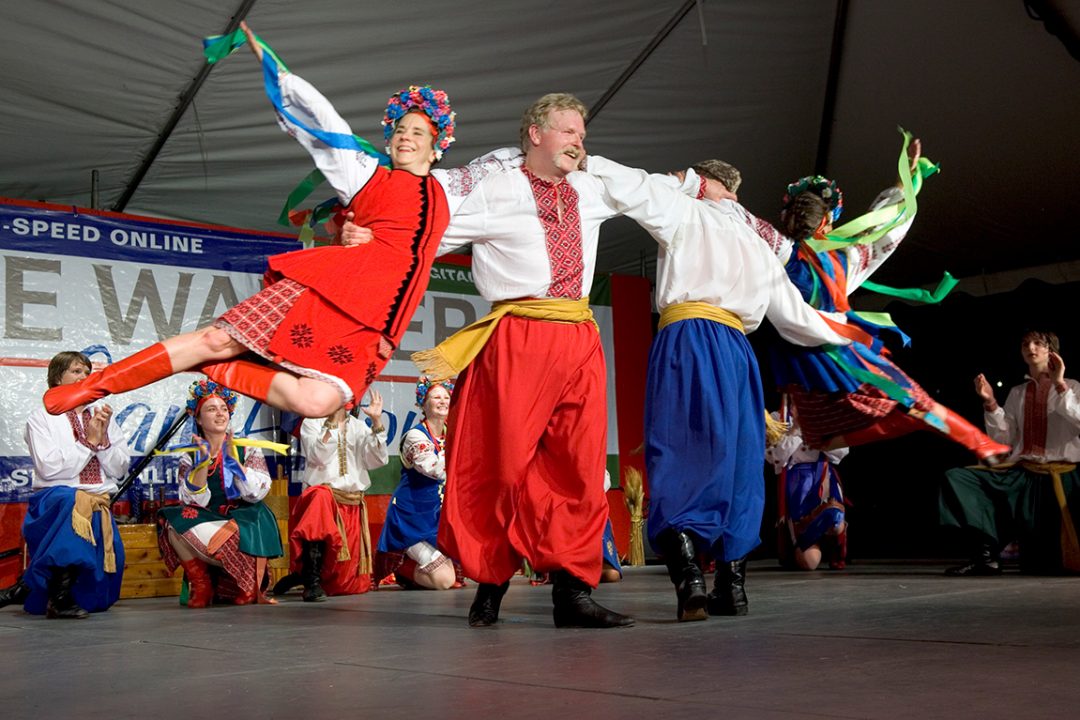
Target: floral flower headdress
823	187
202	390
433	103
424	385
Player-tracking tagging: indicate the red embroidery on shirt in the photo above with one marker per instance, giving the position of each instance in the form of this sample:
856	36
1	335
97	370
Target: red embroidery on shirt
1036	395
562	234
91	472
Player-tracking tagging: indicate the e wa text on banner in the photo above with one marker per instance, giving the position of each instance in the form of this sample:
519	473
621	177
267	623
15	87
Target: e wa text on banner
108	285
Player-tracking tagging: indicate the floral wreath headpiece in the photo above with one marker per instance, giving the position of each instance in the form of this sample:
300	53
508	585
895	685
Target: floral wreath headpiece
202	390
823	187
424	385
431	102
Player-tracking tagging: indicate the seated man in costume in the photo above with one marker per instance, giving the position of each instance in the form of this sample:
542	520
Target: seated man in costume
222	533
329	540
408	546
810	502
76	556
1026	498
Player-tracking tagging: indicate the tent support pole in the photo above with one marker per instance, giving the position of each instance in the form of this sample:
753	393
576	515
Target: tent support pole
828	110
638	61
185	100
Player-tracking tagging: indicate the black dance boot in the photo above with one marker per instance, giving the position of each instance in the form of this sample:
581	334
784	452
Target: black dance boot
728	596
61	603
984	563
17	593
574	606
287	583
689	581
484	611
311	570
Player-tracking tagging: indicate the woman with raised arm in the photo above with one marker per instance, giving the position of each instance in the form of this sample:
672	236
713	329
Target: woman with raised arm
319	334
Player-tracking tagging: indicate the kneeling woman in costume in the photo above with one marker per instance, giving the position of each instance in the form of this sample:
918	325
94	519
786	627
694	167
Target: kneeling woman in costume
407	546
811	506
222	521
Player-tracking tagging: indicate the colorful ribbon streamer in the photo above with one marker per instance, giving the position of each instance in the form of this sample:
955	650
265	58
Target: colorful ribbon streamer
218	47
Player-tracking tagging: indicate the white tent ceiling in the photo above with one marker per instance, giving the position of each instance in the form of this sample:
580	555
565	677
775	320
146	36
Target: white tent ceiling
93	84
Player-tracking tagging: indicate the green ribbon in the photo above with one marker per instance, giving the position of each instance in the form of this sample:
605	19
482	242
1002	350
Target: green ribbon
299	194
218	47
948	282
872	226
890	388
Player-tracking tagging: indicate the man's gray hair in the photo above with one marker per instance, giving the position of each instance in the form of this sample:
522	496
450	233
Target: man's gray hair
721	171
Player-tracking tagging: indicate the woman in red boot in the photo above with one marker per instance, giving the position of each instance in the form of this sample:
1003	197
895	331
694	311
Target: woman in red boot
333	315
221	521
853	395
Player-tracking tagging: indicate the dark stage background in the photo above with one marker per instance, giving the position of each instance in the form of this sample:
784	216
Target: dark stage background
893	485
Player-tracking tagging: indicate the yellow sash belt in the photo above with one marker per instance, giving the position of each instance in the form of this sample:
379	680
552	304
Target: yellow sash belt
86	504
1070	545
701	311
454	354
693	310
363	563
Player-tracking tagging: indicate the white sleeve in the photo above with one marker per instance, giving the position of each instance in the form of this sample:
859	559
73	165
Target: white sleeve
655	205
797	322
468	224
864	260
186	495
779	244
115	459
779	455
418	451
255	485
371	450
458	182
312	447
347	171
1002	424
1067	404
57	459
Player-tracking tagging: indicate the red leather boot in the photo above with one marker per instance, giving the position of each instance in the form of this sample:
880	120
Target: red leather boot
141	369
985	448
200	587
243	376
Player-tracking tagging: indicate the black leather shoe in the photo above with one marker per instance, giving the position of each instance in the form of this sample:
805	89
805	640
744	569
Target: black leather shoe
984	561
574	606
728	596
287	583
975	568
311	572
689	581
484	611
17	593
61	603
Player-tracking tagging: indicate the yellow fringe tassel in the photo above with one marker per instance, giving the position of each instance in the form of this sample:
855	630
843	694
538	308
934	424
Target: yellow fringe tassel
634	493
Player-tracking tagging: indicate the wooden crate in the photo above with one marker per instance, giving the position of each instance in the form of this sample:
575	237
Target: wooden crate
145	574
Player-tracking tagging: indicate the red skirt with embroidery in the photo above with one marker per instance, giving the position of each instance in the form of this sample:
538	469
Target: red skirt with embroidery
293	326
823	416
